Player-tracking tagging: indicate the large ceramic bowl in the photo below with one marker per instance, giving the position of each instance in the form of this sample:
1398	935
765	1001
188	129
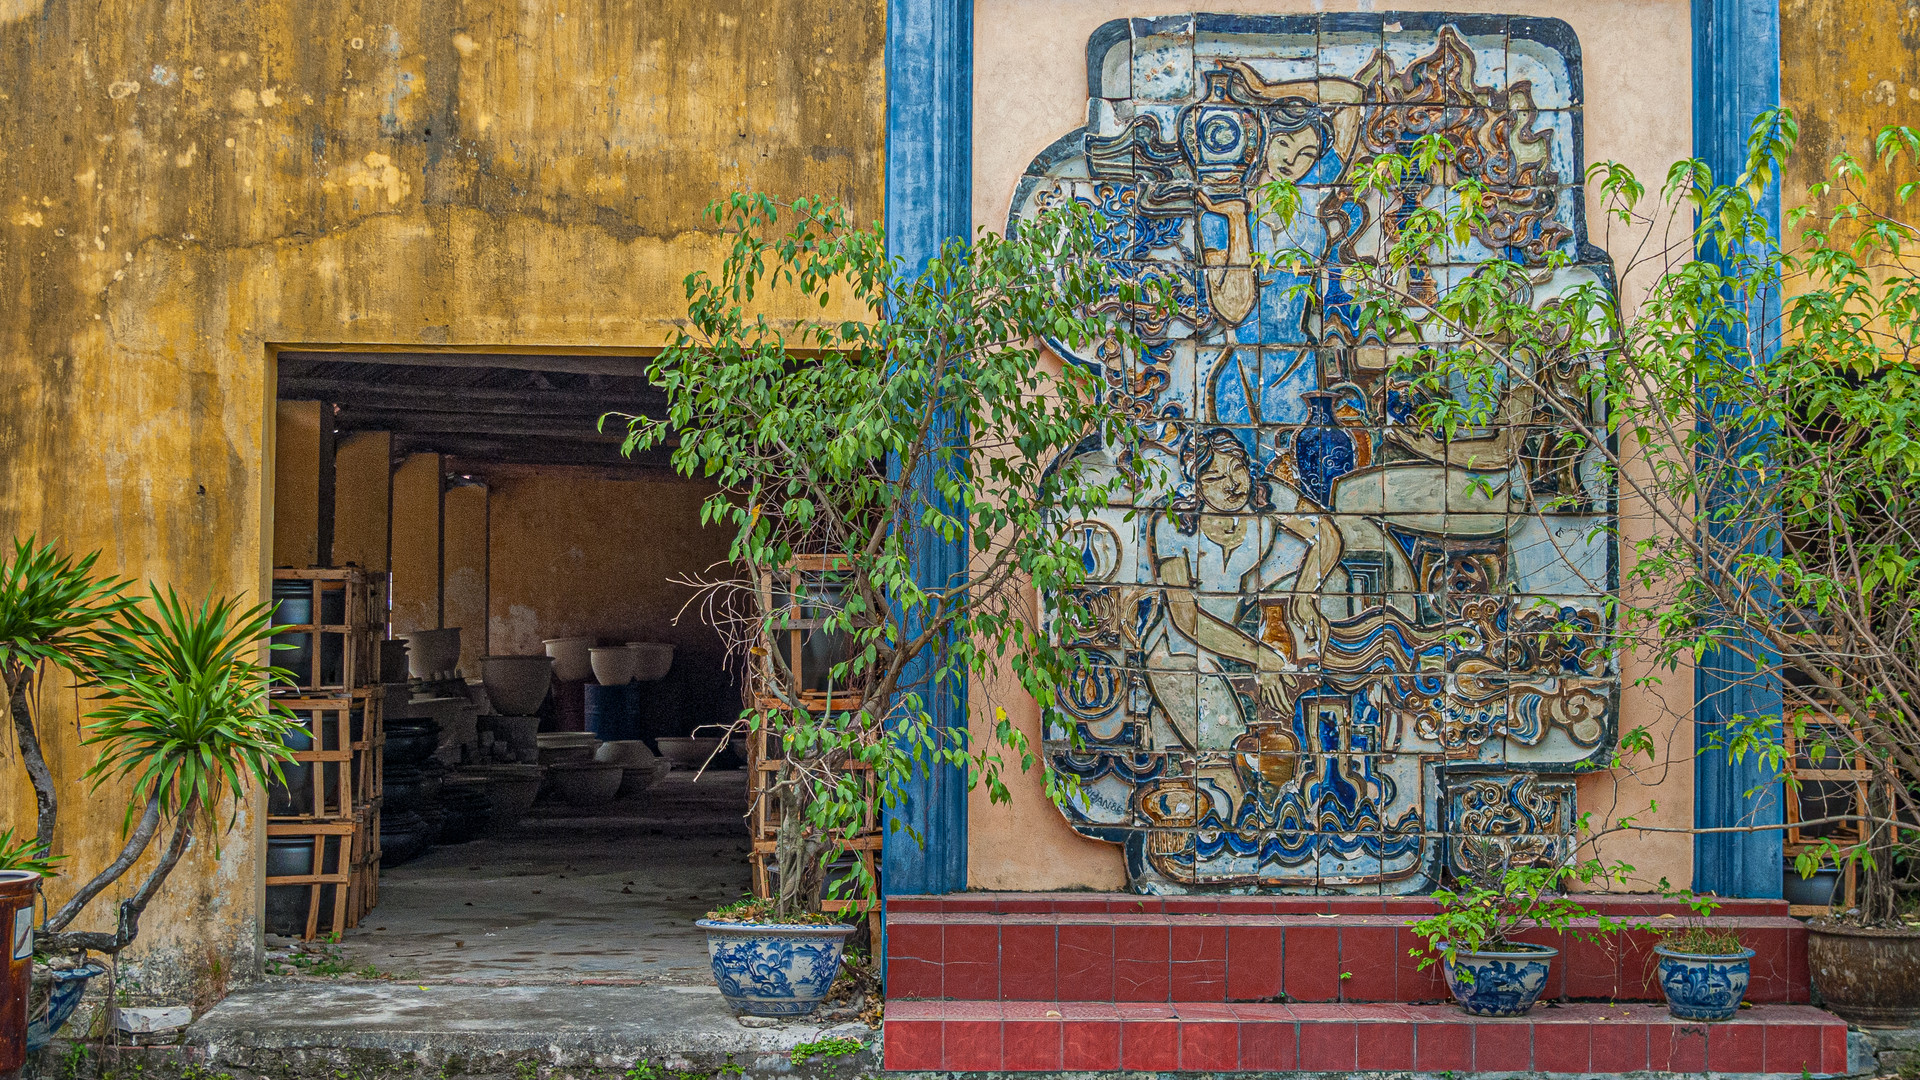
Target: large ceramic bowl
586	783
570	659
511	790
516	685
768	970
652	659
614	666
1500	981
688	753
432	653
1701	987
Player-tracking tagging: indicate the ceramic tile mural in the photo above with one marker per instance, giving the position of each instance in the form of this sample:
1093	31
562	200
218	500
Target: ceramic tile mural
1334	649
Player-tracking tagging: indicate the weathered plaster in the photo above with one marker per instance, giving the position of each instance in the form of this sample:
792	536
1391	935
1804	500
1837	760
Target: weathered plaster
183	185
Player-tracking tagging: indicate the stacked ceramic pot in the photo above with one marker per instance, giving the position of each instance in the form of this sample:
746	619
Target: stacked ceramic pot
411	791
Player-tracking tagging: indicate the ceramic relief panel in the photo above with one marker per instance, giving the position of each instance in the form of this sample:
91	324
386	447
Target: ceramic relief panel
1335	650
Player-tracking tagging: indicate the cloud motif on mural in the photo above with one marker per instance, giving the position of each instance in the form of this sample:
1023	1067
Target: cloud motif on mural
1329	618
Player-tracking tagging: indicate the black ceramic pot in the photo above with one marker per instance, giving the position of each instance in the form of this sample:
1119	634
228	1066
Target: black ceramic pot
404	837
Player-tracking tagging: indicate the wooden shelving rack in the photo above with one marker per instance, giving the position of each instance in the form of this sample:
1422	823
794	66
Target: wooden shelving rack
764	751
340	702
1801	766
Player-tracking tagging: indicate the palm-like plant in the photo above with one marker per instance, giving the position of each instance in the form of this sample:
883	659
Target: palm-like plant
185	716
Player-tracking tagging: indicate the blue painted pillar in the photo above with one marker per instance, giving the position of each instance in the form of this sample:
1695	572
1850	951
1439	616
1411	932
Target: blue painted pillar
1736	75
929	199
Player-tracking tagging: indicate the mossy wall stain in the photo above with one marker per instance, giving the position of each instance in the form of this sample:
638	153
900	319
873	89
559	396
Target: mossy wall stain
1847	69
184	184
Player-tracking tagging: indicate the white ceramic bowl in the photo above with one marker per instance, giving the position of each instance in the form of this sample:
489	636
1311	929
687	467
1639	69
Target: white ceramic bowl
432	653
520	732
570	659
688	753
631	753
587	783
614	666
516	685
652	659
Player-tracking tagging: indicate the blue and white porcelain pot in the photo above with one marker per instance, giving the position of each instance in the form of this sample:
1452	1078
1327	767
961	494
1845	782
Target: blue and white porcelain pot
1502	980
67	986
1703	987
767	969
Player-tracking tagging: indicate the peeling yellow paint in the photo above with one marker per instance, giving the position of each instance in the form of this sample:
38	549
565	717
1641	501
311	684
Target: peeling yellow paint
123	89
28	217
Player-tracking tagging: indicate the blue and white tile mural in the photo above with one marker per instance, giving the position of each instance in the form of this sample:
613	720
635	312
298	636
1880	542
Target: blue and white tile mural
1319	664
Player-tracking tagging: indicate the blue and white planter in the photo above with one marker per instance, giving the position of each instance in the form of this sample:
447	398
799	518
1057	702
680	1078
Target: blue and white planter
1701	987
69	986
766	969
1500	981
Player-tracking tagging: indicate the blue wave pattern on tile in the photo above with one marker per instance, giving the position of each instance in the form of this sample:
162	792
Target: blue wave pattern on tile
1335	650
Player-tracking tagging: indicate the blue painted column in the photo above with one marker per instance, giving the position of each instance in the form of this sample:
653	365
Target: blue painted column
1736	75
930	199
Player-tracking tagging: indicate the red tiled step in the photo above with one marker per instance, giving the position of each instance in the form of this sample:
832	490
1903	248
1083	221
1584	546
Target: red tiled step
1080	903
1224	957
1083	1036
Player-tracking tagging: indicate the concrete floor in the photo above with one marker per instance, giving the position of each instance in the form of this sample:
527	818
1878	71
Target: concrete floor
569	895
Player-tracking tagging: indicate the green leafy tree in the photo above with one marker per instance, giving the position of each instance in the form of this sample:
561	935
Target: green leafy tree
1757	413
851	441
184	718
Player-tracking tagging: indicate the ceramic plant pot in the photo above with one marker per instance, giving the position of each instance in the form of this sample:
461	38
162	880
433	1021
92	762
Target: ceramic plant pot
566	747
652	660
518	732
516	685
1815	891
687	753
587	783
614	665
1700	987
769	970
1865	975
432	653
511	790
1501	980
65	987
571	657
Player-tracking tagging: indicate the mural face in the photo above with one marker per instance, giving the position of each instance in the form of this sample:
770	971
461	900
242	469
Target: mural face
1334	650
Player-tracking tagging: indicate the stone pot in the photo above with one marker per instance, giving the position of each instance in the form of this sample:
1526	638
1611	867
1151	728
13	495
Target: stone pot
652	660
1815	891
586	783
511	790
432	653
1865	975
764	969
1500	980
404	837
1703	987
571	657
516	685
614	666
634	781
688	753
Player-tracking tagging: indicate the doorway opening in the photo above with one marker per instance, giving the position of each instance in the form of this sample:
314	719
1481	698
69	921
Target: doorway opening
537	805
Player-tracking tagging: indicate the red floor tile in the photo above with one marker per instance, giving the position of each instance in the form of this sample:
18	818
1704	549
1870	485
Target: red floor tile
1417	985
912	1044
1327	1045
1269	1045
1618	1046
1368	963
1502	1046
1141	965
1210	1046
1384	1046
1593	967
1199	969
1253	962
1149	1044
1793	1047
913	960
1443	1047
1087	1045
973	1044
972	961
1027	955
1562	1047
1735	1047
1085	962
1677	1047
1031	1044
1311	965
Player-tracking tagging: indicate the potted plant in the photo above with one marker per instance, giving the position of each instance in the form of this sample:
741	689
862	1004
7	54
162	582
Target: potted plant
1742	434
1703	969
182	725
936	421
1477	934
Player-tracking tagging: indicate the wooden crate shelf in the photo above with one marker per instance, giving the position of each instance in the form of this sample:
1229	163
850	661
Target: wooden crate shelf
332	866
1845	777
337	641
347	732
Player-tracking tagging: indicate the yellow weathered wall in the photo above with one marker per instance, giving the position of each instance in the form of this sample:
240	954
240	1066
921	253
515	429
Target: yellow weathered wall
363	492
463	573
574	553
296	484
182	185
1847	69
416	543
